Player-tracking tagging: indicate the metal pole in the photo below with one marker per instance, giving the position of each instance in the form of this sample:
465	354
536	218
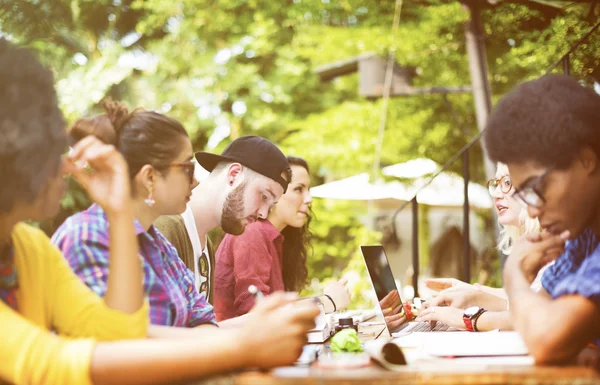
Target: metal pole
415	244
466	231
482	94
567	65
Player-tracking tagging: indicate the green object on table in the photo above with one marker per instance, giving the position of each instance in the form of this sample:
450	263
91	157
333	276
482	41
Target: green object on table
346	340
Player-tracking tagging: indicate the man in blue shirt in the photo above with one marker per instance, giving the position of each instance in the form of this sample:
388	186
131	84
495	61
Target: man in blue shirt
548	133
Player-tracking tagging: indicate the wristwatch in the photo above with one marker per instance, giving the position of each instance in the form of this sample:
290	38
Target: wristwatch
470	317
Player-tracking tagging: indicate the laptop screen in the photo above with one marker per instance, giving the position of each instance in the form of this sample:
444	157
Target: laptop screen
386	290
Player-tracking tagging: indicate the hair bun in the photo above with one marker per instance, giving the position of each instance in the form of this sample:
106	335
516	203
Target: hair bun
105	126
118	113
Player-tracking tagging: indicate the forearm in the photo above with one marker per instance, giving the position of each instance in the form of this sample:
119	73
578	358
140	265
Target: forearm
233	322
166	361
171	332
491	302
525	303
492	320
553	330
498	292
124	285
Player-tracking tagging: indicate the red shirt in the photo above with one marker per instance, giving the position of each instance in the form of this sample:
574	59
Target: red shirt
253	258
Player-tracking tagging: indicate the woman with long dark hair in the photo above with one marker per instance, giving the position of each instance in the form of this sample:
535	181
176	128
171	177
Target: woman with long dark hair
271	254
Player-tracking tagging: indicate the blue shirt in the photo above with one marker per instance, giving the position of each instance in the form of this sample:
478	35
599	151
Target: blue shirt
577	270
168	283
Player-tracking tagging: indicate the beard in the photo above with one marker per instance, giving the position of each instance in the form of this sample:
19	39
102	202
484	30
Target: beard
233	208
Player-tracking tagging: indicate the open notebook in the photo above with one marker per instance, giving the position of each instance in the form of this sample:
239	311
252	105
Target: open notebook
422	349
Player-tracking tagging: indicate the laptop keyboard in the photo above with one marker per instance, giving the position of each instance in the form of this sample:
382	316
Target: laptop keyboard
426	327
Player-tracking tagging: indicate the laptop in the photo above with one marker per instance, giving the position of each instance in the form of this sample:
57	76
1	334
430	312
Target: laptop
384	283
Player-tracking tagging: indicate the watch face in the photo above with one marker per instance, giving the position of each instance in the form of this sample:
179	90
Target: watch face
471	311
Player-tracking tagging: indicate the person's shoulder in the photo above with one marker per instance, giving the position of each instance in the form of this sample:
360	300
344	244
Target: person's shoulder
29	233
264	228
90	225
160	236
93	216
585	245
166	222
172	229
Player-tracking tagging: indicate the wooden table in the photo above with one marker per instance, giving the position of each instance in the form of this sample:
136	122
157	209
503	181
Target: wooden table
376	375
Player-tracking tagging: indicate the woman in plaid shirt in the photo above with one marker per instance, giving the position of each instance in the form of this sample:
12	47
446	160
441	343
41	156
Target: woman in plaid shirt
159	156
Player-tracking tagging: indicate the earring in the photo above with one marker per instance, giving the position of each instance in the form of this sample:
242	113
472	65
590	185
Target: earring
150	200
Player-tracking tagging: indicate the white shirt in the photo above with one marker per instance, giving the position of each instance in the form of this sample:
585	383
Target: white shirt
190	226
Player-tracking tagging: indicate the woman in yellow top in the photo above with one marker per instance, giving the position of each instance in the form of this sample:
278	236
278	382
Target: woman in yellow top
39	293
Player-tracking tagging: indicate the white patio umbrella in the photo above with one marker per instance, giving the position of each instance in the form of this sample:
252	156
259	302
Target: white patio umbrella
445	190
359	188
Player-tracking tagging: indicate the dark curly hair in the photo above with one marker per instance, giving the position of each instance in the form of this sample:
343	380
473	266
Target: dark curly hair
296	245
547	121
32	126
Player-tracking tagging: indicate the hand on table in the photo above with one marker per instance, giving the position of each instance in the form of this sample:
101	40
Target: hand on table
462	299
339	293
391	307
440	284
391	302
450	316
275	331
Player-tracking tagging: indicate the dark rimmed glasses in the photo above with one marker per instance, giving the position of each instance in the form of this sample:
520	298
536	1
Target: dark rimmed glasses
504	183
188	169
530	195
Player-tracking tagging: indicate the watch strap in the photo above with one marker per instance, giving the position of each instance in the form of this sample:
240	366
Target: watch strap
476	318
468	323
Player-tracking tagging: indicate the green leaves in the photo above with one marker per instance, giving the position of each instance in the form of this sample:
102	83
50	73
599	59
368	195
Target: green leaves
228	68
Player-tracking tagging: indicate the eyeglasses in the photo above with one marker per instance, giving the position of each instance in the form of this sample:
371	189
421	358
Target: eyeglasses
505	184
530	194
202	266
188	169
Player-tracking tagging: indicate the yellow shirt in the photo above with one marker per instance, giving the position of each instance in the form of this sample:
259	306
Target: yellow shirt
51	296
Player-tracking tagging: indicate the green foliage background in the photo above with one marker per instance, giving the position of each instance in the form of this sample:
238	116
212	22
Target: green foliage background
243	67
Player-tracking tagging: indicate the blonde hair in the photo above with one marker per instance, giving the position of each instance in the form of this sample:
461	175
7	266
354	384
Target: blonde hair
527	225
508	233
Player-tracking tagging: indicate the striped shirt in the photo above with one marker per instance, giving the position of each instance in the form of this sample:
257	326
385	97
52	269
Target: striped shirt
577	270
168	284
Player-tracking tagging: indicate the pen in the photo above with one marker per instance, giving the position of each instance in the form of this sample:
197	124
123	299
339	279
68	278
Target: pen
255	292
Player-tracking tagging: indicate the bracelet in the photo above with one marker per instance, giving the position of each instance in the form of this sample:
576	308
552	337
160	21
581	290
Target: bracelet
476	319
333	303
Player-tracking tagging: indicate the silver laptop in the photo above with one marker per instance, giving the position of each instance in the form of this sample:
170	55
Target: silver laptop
383	281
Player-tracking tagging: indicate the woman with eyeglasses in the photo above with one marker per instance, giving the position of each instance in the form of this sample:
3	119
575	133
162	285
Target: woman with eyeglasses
492	303
54	328
271	254
159	156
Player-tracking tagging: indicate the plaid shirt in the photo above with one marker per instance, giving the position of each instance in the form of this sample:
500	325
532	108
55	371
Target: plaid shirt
169	285
577	270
